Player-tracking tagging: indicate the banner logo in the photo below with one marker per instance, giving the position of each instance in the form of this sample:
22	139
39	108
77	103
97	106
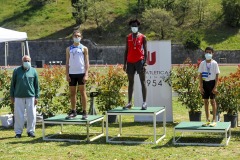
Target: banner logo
153	58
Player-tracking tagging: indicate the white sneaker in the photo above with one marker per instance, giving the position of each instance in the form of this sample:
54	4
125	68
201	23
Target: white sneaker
144	106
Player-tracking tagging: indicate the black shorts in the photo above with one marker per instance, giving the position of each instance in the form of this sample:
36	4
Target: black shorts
76	79
133	67
208	87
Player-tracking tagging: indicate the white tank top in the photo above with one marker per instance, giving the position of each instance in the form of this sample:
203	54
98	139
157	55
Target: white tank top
76	60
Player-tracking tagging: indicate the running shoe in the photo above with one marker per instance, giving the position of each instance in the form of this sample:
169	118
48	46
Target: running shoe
72	114
128	106
144	106
84	115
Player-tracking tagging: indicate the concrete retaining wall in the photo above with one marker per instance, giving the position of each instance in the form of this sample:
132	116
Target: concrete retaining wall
54	50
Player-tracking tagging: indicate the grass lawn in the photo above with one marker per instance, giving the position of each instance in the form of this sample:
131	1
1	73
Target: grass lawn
36	148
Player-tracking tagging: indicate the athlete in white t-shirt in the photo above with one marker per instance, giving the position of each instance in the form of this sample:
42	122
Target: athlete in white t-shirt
208	78
77	64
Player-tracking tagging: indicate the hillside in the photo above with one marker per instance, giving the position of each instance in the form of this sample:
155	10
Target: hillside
54	21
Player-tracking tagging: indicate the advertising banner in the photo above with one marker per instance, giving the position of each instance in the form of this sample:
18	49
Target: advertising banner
159	93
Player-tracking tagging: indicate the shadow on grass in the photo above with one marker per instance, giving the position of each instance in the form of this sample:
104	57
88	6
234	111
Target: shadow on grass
191	140
4	129
235	135
148	124
25	15
218	34
102	141
109	34
63	33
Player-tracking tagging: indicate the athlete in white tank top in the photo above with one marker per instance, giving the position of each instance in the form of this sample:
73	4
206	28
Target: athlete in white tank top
76	59
77	65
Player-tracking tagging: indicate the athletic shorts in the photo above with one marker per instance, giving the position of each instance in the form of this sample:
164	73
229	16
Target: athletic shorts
133	67
76	79
208	87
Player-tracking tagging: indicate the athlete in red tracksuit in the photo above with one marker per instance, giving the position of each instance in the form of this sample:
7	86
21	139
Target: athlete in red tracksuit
135	60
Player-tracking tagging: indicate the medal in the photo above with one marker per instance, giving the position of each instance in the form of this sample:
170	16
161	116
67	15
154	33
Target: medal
134	42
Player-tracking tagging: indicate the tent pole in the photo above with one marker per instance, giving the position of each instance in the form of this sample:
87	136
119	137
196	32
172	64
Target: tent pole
6	53
27	49
23	48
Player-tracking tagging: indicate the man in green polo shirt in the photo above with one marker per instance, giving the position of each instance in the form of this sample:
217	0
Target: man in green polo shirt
24	94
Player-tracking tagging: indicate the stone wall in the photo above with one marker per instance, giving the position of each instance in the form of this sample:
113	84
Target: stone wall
54	50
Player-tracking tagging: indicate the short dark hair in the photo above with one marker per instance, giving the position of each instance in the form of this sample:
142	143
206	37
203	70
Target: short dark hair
209	48
134	21
76	31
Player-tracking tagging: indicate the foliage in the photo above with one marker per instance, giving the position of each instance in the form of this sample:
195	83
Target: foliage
182	10
80	10
228	99
185	83
51	81
109	87
200	10
159	21
231	11
5	83
192	40
99	13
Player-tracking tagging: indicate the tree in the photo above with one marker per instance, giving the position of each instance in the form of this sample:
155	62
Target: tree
99	13
159	21
231	11
182	10
192	40
201	4
80	10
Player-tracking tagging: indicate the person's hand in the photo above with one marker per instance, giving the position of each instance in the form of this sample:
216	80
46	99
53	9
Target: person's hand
124	68
68	78
144	67
214	91
35	101
85	78
12	100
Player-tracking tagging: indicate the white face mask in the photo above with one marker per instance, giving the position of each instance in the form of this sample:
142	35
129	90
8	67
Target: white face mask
76	40
208	56
26	65
134	29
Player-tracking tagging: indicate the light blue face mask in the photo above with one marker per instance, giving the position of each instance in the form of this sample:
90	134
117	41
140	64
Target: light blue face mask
26	65
208	56
76	40
134	29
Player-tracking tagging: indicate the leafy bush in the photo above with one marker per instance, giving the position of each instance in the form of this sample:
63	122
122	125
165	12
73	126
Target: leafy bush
109	86
50	82
228	99
185	83
191	40
5	83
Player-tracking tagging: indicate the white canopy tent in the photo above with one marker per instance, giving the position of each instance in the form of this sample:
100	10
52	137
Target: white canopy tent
7	35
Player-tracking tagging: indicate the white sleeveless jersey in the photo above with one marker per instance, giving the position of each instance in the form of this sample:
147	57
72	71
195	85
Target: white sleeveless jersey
76	59
209	71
